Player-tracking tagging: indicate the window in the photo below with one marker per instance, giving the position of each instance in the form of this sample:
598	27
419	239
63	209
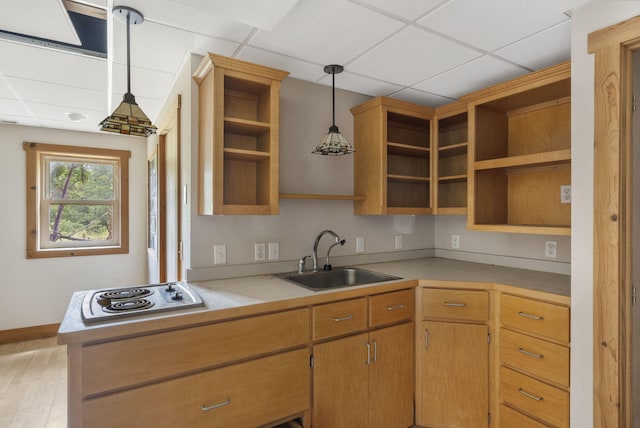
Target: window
77	201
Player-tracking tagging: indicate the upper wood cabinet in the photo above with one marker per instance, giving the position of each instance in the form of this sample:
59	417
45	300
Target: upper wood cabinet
450	159
520	154
239	115
392	162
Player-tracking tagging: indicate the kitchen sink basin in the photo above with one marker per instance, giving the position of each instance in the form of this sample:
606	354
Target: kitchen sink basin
336	278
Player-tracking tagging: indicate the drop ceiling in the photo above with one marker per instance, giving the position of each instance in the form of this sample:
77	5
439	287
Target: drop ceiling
428	52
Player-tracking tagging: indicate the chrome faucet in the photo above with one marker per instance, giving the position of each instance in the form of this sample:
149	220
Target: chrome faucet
314	255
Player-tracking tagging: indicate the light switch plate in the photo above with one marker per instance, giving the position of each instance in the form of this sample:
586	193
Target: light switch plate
259	252
219	254
274	250
398	242
359	244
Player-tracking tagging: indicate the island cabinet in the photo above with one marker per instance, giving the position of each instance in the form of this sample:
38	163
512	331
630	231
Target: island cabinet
238	118
520	154
247	372
450	159
534	362
392	162
363	362
453	358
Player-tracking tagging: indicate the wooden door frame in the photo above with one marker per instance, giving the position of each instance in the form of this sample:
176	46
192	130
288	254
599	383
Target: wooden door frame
613	47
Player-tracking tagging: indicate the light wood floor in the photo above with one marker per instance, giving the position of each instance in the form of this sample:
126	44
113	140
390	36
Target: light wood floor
33	384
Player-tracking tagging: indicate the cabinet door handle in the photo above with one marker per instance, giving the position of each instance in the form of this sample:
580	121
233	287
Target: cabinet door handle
399	306
375	350
368	352
533	317
457	305
426	338
347	318
215	406
531	354
525	393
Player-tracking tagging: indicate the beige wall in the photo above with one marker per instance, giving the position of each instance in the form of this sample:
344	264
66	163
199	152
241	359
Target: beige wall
37	291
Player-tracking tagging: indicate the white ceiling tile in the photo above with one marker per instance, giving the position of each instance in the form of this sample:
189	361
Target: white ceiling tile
477	74
297	69
257	13
421	98
47	19
362	85
172	14
13	107
5	90
57	112
201	45
326	32
410	56
408	9
542	49
19	120
492	24
144	82
49	65
49	93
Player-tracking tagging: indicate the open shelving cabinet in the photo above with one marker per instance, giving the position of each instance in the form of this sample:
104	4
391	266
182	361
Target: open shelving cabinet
520	154
239	136
392	162
450	159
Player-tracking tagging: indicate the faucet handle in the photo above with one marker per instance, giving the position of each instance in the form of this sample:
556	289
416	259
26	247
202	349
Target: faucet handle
301	263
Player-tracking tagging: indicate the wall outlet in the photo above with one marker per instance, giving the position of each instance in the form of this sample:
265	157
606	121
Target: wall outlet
565	194
398	242
258	251
359	244
551	249
455	241
219	254
274	250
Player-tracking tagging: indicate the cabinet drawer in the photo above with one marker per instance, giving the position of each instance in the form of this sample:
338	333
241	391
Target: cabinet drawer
545	319
189	349
455	304
391	307
334	319
243	395
536	356
546	402
510	418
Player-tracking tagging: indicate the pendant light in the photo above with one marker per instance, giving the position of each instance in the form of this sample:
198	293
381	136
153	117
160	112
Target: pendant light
128	118
333	143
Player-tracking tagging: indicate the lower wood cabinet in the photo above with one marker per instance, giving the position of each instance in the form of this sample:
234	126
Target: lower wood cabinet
237	396
455	375
365	380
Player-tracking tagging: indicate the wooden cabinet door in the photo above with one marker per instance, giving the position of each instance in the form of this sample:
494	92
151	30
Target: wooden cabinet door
455	366
391	377
340	379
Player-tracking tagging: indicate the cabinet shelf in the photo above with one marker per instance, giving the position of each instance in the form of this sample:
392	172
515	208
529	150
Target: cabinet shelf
245	155
321	197
453	178
407	178
453	150
536	159
407	150
250	128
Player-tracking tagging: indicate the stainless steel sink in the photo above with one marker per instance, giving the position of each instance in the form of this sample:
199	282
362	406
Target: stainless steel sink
336	278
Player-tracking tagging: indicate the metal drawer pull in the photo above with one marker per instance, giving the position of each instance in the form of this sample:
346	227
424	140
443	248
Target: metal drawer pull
347	318
216	406
531	354
457	305
375	351
426	339
533	317
523	392
391	308
368	352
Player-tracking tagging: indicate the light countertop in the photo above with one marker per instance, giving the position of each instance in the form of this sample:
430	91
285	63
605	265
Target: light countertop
245	296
